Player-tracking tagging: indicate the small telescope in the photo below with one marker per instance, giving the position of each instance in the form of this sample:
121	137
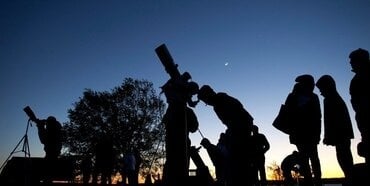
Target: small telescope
30	113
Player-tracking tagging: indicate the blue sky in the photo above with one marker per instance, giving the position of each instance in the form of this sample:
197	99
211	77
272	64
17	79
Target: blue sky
51	51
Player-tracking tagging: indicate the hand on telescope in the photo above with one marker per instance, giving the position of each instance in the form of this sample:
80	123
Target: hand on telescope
40	122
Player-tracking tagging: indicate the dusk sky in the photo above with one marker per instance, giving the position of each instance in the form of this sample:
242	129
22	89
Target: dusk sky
51	51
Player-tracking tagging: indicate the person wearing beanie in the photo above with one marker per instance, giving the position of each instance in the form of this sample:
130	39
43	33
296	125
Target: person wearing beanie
305	118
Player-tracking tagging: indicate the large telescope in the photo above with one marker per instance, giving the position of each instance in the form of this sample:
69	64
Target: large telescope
181	81
167	61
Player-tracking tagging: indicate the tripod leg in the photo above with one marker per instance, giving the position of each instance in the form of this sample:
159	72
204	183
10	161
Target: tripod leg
14	151
26	147
26	171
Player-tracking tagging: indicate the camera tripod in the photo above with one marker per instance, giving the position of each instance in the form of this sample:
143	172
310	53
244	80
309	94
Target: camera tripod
25	146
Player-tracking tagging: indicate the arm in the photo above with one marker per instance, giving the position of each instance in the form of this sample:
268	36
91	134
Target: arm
41	130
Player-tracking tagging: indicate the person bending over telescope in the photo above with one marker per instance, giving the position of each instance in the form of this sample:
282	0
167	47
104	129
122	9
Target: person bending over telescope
49	131
290	163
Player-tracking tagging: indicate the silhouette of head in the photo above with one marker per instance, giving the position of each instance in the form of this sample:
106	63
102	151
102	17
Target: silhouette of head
359	55
326	84
52	123
206	93
51	119
358	59
307	81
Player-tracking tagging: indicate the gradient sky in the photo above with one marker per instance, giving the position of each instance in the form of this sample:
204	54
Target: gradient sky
51	51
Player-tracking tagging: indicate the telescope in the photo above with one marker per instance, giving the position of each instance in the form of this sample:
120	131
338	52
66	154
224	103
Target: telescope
181	80
167	61
30	113
24	139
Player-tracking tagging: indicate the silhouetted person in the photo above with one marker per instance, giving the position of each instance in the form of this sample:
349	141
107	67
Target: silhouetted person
86	169
360	96
179	120
129	169
104	160
49	132
138	162
50	135
338	130
290	163
360	170
261	147
239	123
305	112
223	147
220	157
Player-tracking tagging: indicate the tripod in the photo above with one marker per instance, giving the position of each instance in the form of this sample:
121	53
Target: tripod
25	146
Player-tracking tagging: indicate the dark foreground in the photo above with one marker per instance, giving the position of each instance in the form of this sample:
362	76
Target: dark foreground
29	171
326	182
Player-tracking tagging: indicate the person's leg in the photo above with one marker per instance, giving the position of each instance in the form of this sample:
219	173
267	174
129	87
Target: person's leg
316	166
263	172
288	179
345	160
305	165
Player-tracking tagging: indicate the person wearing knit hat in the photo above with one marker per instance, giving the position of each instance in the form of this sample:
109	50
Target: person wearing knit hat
305	132
307	80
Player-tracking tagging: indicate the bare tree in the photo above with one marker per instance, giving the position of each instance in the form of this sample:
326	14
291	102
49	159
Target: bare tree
275	172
